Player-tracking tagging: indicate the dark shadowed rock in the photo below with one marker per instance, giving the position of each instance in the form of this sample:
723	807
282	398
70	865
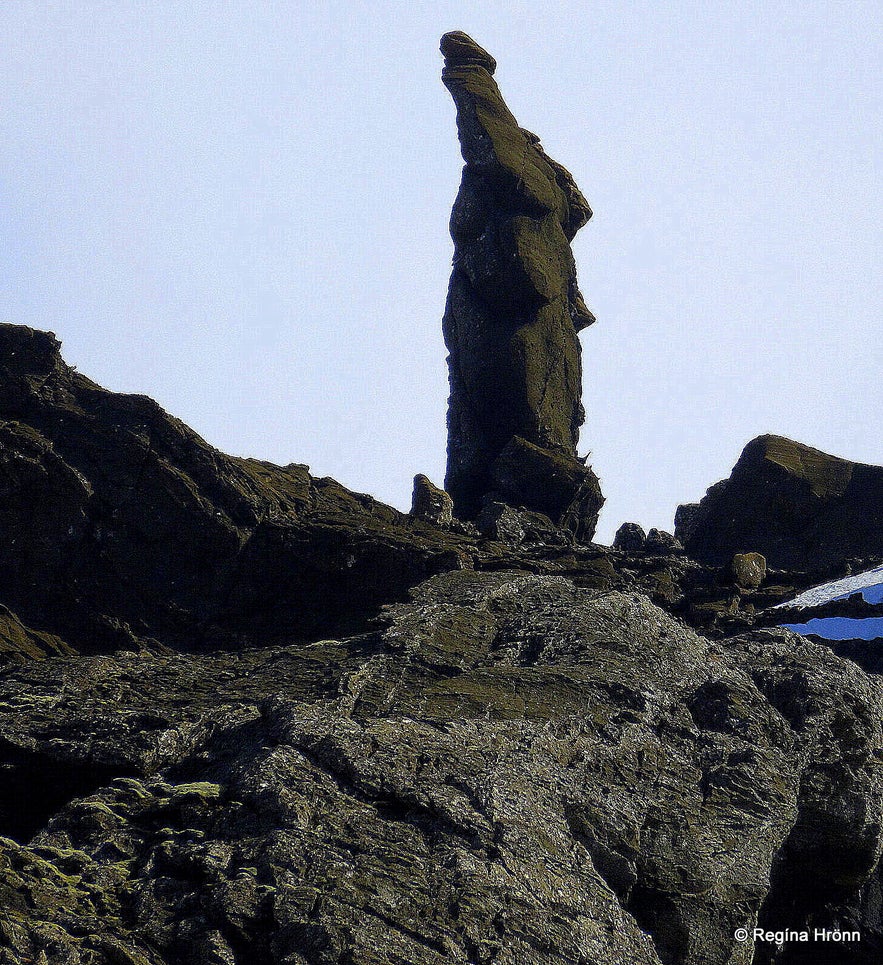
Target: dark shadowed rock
120	525
797	506
550	482
513	312
662	543
686	517
629	538
121	529
500	522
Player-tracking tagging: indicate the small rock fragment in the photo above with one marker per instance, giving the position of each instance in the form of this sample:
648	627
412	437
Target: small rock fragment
431	504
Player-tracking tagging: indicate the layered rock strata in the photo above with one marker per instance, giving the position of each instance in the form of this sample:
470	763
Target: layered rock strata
121	528
513	313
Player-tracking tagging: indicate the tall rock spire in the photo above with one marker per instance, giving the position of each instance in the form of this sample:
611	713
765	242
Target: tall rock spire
513	312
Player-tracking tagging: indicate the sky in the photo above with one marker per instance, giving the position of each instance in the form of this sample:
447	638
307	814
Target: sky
241	209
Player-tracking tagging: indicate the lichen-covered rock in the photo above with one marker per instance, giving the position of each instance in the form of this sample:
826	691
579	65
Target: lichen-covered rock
508	769
513	310
748	570
430	503
797	506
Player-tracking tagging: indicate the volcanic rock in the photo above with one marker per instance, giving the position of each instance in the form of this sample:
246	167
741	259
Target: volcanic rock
500	522
513	312
662	543
629	538
430	503
797	506
121	527
507	768
748	570
249	716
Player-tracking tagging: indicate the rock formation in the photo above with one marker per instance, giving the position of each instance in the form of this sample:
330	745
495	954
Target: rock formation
248	717
799	507
513	313
431	504
121	529
507	769
119	525
528	762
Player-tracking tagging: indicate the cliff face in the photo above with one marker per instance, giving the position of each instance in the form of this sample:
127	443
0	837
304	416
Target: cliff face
513	312
119	525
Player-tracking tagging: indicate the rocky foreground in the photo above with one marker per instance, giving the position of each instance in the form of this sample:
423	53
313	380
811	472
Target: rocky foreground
508	769
529	757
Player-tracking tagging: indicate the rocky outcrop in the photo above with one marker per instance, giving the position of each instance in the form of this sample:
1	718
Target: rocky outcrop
513	313
799	507
630	538
431	504
508	769
248	717
121	528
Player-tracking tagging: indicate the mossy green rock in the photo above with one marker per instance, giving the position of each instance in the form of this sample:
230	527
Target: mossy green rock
514	308
507	769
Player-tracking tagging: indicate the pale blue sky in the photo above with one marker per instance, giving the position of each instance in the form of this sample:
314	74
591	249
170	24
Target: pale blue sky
241	209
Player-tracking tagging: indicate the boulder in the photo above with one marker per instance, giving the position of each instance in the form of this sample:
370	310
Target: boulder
431	504
500	522
795	505
549	482
661	543
748	570
630	538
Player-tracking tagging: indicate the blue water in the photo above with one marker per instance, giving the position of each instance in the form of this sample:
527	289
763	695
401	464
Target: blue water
840	628
869	584
872	594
